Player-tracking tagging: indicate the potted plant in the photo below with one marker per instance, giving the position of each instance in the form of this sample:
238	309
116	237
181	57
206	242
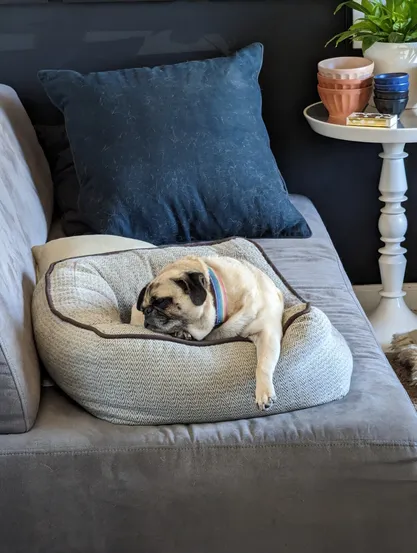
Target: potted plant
388	32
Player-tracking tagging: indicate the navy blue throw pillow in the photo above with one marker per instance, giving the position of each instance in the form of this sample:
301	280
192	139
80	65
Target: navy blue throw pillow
54	141
175	153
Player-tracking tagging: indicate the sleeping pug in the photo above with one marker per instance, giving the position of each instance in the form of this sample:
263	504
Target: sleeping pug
213	298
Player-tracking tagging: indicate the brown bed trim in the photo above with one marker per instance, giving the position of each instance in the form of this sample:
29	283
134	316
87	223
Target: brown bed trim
294	317
162	337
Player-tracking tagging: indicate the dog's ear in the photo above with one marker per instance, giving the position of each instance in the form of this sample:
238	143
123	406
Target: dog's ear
141	297
194	285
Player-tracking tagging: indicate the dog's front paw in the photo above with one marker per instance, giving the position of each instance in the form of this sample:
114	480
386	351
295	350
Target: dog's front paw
183	335
265	396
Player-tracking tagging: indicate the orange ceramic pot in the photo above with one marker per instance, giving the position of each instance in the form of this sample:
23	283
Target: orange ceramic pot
341	103
343	84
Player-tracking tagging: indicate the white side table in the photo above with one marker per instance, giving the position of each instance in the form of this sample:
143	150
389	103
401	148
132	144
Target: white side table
392	314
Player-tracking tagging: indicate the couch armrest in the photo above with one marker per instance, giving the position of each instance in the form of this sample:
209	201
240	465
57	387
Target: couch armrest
26	200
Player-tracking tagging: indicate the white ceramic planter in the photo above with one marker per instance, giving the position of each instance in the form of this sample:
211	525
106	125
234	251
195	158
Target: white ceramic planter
396	58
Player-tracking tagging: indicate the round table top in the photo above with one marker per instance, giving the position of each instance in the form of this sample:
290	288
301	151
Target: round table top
404	132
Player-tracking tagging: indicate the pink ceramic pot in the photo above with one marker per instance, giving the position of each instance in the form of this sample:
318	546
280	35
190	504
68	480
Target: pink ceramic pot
343	84
341	103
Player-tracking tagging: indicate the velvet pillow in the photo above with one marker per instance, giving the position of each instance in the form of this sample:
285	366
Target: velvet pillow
175	153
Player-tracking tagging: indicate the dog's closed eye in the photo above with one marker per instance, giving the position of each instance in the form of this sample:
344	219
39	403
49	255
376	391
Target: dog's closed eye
162	303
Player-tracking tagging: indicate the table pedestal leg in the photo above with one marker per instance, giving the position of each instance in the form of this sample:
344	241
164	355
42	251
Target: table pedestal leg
392	315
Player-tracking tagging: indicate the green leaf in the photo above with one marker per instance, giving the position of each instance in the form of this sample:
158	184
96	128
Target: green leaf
396	37
364	24
340	37
367	5
382	8
354	5
346	36
413	9
412	27
411	30
378	10
413	15
384	22
379	37
369	41
401	25
403	8
333	39
358	35
411	37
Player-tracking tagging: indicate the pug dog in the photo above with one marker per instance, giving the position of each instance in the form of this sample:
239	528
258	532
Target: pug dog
214	298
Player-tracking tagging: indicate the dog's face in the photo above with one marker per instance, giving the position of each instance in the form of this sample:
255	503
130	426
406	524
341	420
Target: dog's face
174	300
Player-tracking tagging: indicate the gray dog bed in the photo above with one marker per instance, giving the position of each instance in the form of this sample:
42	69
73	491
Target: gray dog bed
128	375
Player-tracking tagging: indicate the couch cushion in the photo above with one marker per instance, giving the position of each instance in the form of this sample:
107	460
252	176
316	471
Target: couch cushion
336	478
175	153
25	213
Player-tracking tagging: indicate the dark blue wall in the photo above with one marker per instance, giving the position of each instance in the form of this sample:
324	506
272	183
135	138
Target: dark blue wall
341	178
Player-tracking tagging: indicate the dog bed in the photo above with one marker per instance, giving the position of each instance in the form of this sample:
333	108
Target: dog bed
128	375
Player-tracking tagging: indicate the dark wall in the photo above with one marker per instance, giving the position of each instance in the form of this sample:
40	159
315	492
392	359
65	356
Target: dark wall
341	178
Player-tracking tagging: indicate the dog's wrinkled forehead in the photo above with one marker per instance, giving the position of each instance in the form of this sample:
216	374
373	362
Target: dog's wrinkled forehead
175	283
162	286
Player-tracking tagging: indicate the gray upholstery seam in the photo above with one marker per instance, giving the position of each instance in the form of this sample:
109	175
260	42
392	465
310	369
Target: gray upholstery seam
324	445
18	390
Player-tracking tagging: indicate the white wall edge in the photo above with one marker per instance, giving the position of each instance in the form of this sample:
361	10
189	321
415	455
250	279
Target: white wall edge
356	44
368	296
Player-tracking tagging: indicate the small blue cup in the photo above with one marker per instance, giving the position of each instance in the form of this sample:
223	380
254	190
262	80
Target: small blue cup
392	87
383	95
393	107
391	78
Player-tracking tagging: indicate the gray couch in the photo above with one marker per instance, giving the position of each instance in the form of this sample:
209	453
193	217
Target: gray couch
337	478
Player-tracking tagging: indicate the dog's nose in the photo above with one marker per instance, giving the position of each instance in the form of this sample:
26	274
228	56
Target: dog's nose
148	310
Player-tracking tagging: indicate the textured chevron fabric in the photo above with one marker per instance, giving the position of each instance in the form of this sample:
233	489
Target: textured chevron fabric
128	375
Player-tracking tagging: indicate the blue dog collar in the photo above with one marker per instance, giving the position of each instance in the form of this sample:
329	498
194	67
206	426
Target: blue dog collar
220	298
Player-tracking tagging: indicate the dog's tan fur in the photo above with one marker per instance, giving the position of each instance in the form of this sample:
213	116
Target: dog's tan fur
254	310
